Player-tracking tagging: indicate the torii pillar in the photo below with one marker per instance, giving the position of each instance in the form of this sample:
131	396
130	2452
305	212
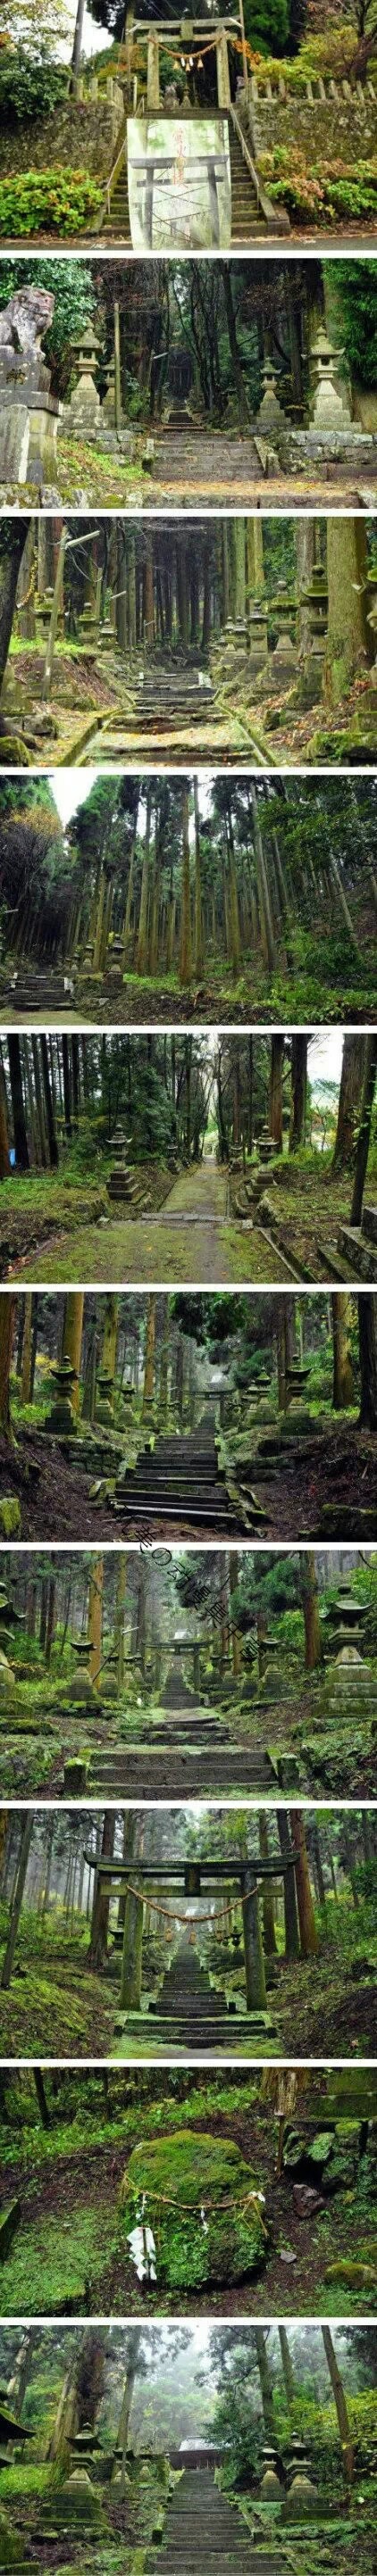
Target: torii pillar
132	1955
222	67
153	74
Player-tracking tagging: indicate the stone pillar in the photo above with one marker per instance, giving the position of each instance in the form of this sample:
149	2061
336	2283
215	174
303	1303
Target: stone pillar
153	75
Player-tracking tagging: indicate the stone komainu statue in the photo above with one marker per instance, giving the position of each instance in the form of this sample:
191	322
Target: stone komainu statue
23	324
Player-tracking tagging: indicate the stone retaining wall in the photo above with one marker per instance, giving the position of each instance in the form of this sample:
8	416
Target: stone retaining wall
81	134
335	123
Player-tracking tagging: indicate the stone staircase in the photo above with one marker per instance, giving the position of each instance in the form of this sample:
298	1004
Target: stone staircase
189	456
32	990
179	1481
203	2531
117	219
191	2015
247	223
178	695
182	1740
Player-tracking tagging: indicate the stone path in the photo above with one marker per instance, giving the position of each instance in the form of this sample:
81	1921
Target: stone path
189	1238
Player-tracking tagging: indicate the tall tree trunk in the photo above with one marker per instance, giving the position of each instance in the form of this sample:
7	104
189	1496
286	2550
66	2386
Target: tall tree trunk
119	1616
26	1349
185	963
18	1109
288	2372
141	952
148	1388
343	1374
306	1914
266	2383
366	1308
49	1107
133	2345
349	1099
292	1936
276	1090
235	1635
198	888
95	1606
10	567
4	1136
81	2395
72	1338
363	1140
100	1917
10	1945
348	637
310	1605
347	2445
299	1065
269	1933
7	1309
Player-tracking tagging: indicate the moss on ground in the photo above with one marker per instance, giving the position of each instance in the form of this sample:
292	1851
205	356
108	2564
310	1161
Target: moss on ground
67	2260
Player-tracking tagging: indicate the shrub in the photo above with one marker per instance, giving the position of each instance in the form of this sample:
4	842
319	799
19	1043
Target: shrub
319	199
29	87
59	200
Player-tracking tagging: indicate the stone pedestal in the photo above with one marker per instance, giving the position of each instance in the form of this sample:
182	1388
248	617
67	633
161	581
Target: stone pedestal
28	431
29	413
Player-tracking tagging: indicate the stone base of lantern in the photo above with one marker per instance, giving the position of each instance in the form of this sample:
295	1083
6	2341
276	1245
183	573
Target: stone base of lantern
325	444
309	685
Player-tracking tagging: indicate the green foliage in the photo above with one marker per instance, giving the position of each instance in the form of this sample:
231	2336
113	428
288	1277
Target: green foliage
267	25
61	200
355	301
30	84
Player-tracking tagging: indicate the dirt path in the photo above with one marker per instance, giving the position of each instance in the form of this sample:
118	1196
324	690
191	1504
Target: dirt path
189	1239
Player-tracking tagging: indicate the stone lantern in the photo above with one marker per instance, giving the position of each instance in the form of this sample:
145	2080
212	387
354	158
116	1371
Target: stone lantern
62	1418
331	409
296	1378
84	407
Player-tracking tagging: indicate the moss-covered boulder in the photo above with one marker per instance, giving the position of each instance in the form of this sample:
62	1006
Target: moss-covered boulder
203	2205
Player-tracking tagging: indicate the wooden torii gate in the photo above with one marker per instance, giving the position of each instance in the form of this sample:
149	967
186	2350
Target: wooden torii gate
246	1878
